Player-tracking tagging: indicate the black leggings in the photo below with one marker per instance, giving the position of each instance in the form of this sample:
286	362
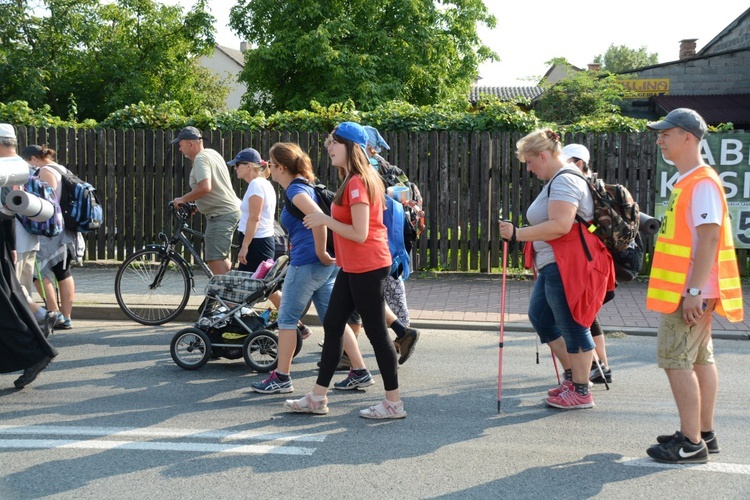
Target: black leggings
363	292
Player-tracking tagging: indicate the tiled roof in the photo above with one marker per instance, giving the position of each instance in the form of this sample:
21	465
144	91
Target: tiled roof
714	109
234	54
504	93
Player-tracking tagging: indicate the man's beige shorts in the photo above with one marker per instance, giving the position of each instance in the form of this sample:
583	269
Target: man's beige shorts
679	346
218	236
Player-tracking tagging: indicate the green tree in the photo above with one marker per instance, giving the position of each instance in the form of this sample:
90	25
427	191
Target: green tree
585	95
621	58
91	58
329	51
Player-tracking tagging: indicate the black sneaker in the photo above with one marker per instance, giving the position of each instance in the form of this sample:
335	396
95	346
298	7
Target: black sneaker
679	450
406	344
711	443
597	378
31	373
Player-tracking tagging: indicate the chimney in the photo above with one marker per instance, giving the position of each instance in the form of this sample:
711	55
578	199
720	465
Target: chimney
243	46
595	67
687	48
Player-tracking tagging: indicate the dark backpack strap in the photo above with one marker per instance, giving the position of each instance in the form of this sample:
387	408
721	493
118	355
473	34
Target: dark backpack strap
290	206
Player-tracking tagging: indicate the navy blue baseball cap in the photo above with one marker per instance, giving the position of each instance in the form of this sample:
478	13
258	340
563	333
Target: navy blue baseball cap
248	155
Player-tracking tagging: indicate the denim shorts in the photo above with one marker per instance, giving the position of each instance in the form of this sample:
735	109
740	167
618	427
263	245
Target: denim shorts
302	283
550	314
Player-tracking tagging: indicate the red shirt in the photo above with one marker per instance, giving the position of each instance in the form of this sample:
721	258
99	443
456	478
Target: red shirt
373	254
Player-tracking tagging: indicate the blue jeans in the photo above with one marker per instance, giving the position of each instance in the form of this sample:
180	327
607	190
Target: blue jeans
550	315
302	283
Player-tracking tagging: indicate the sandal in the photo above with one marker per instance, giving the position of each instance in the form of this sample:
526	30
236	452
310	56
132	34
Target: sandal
307	405
384	410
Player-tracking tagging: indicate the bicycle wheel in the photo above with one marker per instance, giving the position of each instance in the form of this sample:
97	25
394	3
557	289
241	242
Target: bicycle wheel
152	288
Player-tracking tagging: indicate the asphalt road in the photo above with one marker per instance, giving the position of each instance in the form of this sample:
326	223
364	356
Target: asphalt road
114	417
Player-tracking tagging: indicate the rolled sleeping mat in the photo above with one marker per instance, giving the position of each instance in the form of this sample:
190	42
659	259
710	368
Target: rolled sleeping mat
648	225
31	206
14	171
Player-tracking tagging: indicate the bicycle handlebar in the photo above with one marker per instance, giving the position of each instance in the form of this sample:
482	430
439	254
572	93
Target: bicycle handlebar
183	211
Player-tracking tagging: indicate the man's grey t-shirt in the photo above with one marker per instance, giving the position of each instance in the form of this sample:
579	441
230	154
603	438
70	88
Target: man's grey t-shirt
222	198
565	187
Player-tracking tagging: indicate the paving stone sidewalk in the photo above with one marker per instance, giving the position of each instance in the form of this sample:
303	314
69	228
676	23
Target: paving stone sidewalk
449	300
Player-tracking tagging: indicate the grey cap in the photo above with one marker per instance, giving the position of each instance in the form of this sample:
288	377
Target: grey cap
188	134
687	119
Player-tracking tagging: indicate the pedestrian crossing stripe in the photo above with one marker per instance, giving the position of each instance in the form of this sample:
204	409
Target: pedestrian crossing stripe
229	441
726	468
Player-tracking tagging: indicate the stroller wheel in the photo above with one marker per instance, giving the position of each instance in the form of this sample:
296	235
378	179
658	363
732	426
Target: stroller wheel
260	350
190	348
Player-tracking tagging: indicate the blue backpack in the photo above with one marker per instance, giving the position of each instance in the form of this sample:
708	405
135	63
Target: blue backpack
79	203
393	219
54	225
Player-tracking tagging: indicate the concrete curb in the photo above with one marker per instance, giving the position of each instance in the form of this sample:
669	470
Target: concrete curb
112	312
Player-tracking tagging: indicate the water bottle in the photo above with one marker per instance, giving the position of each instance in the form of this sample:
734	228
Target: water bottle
265	316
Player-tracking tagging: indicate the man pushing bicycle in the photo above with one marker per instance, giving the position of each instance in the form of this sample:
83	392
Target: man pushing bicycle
211	190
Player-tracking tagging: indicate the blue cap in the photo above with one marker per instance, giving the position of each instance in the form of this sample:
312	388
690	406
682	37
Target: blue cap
374	139
248	155
353	132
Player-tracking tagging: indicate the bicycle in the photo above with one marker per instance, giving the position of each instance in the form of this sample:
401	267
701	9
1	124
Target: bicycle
148	281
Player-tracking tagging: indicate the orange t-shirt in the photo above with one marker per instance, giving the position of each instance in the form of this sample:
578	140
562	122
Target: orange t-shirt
373	254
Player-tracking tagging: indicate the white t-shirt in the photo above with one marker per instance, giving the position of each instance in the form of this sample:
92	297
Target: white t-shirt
565	187
262	188
705	208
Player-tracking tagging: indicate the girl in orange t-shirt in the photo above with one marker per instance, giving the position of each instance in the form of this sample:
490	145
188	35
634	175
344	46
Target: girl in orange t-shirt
361	244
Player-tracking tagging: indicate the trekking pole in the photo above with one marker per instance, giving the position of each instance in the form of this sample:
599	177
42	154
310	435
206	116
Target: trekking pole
502	327
601	370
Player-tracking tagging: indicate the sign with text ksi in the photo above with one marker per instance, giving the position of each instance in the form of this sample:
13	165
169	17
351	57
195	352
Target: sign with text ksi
729	154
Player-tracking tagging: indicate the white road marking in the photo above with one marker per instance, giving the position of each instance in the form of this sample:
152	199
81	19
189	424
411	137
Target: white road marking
62	430
156	446
707	467
190	439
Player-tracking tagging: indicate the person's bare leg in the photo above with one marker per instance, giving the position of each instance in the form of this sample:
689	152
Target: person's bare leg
601	350
580	365
49	293
351	349
560	351
219	266
67	296
687	395
708	381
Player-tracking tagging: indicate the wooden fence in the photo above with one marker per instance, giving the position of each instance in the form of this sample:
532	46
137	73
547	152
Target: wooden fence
468	181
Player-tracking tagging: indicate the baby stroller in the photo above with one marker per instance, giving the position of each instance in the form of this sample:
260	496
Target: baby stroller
229	327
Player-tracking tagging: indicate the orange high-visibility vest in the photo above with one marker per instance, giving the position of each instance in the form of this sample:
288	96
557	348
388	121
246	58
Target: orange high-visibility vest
671	260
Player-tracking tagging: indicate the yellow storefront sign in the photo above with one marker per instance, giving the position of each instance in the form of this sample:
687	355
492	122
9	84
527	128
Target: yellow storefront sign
645	87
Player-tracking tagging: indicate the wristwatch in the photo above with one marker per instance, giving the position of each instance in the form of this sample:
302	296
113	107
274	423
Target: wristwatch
694	291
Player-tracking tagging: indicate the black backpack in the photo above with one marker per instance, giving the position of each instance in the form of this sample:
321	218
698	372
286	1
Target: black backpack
325	200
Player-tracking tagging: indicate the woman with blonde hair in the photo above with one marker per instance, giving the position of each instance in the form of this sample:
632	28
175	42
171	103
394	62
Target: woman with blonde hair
574	267
361	244
256	212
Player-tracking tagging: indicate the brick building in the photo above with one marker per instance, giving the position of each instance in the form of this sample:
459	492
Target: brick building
714	81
